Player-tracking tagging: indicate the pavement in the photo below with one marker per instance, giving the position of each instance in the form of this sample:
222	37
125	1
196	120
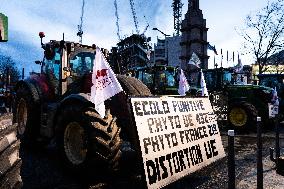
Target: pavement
271	180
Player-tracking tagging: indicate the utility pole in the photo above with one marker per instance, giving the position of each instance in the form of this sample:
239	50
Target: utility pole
166	44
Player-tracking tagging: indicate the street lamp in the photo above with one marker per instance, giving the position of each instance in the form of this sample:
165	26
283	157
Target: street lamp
166	48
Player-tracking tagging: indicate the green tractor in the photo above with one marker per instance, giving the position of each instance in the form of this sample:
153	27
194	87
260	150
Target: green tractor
238	102
162	80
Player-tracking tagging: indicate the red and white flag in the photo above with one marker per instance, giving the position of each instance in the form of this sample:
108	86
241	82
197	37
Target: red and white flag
183	84
105	83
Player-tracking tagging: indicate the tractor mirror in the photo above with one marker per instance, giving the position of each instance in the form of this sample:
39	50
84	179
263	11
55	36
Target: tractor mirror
38	62
66	69
66	72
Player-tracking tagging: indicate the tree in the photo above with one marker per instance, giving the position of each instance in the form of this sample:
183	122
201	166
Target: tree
8	67
264	32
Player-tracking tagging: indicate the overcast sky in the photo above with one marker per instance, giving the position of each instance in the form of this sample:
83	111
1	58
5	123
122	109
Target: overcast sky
54	17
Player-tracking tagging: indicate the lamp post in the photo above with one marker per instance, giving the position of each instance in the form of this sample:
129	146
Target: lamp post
166	47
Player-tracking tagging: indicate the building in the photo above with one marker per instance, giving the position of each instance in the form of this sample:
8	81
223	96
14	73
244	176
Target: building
167	51
130	53
174	50
160	55
275	65
194	36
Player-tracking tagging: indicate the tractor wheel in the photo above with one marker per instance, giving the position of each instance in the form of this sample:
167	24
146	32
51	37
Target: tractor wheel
85	140
242	116
27	116
119	106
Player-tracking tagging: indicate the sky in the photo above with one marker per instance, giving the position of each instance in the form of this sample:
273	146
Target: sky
55	17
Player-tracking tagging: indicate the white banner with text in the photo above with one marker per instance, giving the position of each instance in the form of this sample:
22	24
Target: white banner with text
177	137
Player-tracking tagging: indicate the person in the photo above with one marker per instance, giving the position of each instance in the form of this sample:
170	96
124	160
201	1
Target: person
52	72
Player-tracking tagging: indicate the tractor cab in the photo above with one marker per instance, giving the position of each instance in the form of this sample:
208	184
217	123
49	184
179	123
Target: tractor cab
161	80
66	67
274	81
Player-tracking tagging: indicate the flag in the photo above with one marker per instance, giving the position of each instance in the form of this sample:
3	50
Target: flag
239	67
203	85
212	48
183	84
105	84
274	99
194	60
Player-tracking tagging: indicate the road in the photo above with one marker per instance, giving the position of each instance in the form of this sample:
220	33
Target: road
42	169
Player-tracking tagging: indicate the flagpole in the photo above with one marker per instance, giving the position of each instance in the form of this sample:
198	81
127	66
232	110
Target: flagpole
233	58
227	58
215	65
221	58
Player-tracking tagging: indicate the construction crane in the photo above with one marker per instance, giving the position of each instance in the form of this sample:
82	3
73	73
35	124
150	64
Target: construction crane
117	20
80	26
134	15
147	26
177	8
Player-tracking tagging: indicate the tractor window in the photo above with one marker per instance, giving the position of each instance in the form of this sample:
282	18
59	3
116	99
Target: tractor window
82	63
170	79
165	78
51	67
146	78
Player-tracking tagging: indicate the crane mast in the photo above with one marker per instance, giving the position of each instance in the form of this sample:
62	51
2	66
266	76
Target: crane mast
177	9
80	26
134	15
117	20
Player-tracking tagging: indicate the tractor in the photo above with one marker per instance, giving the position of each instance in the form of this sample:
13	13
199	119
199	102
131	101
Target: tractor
161	79
275	81
239	101
54	107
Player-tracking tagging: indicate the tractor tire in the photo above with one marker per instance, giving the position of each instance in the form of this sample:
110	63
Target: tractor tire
27	116
85	140
242	116
120	107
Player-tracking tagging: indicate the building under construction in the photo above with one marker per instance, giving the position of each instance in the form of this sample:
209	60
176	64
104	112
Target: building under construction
130	52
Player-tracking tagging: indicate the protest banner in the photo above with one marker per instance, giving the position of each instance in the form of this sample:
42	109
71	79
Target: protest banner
177	136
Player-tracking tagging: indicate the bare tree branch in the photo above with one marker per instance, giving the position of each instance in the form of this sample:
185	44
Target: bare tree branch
264	31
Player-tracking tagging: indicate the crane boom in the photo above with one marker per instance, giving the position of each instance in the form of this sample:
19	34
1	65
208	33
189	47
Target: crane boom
117	20
134	15
80	26
147	26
